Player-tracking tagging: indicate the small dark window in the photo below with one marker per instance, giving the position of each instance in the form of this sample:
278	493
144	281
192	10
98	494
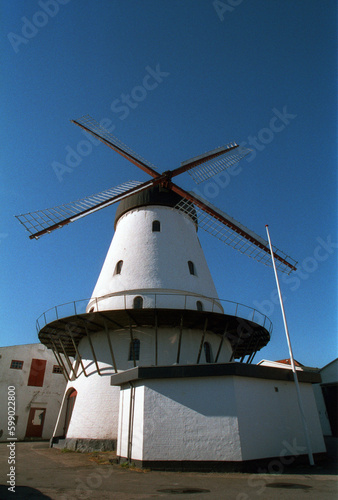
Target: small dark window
17	365
191	267
118	267
91	309
138	303
156	226
57	369
199	305
207	352
134	346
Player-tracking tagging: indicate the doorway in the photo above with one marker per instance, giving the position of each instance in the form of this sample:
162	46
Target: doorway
330	393
35	422
69	410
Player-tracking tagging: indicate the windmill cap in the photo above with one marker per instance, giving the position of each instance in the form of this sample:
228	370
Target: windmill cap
156	195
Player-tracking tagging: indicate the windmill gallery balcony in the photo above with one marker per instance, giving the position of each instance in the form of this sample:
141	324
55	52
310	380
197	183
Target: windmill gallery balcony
62	327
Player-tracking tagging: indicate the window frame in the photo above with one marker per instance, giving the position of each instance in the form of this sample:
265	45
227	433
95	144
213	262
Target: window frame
118	267
207	352
199	305
192	268
134	350
156	226
16	367
140	299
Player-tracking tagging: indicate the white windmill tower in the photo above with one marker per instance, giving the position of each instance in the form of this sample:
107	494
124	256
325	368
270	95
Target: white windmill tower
155	303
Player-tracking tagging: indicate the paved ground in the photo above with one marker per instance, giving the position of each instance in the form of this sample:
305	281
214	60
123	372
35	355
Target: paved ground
42	472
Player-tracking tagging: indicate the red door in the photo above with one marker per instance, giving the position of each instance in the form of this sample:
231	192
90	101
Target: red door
35	422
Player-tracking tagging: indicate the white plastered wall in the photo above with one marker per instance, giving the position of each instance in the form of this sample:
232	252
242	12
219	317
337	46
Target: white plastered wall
96	409
221	418
125	423
269	418
155	262
329	375
322	411
155	266
185	419
48	397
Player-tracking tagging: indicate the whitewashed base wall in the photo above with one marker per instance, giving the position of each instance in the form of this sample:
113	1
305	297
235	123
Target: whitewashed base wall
225	418
96	410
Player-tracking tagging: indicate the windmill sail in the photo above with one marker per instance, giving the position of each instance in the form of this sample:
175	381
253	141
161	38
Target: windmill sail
45	221
233	233
90	125
200	168
209	164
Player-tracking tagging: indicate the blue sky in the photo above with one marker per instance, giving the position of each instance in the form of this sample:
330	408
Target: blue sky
256	71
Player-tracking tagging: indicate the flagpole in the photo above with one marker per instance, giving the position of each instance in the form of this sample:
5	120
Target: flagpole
300	404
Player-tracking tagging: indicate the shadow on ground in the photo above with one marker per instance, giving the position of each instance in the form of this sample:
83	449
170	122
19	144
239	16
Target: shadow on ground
21	493
327	465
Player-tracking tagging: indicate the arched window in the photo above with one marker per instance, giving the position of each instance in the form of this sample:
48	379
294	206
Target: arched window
138	303
156	226
191	267
207	352
134	346
199	305
118	267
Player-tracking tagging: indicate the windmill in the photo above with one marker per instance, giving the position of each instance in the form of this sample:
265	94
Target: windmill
155	303
201	168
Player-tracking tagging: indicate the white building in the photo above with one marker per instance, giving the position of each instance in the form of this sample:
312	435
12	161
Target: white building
202	417
155	305
326	394
32	373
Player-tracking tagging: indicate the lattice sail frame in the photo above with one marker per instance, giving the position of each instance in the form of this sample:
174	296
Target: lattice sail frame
200	168
98	130
229	236
44	219
201	173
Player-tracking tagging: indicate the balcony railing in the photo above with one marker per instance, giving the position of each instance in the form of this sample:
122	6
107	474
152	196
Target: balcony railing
122	300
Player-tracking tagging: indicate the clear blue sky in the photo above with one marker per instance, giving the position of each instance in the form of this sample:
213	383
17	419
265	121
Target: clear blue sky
256	71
